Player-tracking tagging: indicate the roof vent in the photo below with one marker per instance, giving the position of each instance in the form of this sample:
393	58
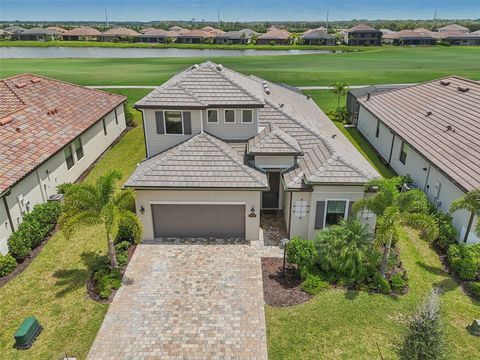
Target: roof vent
450	128
267	90
445	82
463	89
334	136
308	97
196	66
282	105
17	129
20	85
368	96
35	80
429	113
219	67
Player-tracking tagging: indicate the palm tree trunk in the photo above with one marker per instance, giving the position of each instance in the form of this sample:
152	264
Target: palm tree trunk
386	253
111	252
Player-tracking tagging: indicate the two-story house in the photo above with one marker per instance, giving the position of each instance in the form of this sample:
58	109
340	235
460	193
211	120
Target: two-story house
362	35
222	146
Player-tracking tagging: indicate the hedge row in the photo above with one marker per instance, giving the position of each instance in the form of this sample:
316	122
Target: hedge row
32	231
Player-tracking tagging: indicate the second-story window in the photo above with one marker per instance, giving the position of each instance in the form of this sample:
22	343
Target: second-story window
212	116
403	152
230	116
247	116
77	144
69	157
377	130
173	122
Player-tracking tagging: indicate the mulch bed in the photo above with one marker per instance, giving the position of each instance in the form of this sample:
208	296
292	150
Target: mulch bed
91	283
281	291
24	264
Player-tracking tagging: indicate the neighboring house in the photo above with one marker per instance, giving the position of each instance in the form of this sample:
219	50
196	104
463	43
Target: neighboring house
57	29
243	36
222	146
362	35
409	37
194	37
14	29
178	30
51	132
386	31
37	33
81	33
454	28
317	37
118	34
431	132
423	31
153	35
274	36
458	38
4	34
213	31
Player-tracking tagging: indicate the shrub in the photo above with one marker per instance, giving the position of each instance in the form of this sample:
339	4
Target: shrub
122	258
63	188
19	246
465	260
302	253
397	283
313	284
7	264
424	338
446	231
32	232
380	284
106	280
128	115
123	246
129	229
474	288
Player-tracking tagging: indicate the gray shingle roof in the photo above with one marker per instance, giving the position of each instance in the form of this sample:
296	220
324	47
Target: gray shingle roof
422	114
273	140
317	34
203	161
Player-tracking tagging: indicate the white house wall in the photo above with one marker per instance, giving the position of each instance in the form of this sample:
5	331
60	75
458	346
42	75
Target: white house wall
274	161
36	187
417	167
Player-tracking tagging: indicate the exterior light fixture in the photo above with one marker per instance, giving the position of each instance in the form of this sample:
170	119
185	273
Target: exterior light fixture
142	210
252	213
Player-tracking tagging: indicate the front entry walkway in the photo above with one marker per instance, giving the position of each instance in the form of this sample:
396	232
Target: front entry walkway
187	302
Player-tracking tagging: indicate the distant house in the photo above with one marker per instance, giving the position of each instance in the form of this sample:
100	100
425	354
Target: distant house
423	31
317	37
430	131
4	34
195	36
458	38
409	37
118	34
14	29
36	33
57	29
178	29
274	36
153	35
319	28
51	132
81	33
362	35
213	31
386	31
455	28
243	36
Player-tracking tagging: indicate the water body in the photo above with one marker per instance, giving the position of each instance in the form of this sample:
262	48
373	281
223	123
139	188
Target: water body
98	52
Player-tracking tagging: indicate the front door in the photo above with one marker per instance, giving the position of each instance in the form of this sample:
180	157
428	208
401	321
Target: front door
270	199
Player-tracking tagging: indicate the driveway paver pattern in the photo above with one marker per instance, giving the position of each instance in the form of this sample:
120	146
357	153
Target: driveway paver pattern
184	301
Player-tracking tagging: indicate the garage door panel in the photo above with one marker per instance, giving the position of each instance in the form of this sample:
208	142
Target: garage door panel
205	220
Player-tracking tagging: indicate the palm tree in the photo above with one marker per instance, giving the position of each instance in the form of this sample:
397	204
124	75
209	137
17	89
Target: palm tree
395	209
340	89
471	203
87	204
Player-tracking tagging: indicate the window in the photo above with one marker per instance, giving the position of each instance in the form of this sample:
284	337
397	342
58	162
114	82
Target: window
212	116
247	116
335	212
229	116
69	157
116	117
77	144
104	127
377	130
403	152
173	122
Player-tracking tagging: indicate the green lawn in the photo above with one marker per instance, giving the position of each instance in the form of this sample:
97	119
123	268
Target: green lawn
339	324
52	288
379	66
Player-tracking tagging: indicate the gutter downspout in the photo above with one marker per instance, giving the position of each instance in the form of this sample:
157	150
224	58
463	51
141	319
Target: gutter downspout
469	228
144	132
44	198
426	180
391	149
290	217
7	210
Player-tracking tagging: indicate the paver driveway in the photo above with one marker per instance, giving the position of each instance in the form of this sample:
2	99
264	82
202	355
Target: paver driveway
187	302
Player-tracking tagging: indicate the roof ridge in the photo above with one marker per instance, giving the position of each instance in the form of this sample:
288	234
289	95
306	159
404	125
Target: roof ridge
284	136
13	91
337	157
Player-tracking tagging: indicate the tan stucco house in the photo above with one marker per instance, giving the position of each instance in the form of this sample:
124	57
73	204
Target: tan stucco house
223	147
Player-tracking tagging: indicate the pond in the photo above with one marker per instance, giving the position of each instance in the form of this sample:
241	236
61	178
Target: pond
98	52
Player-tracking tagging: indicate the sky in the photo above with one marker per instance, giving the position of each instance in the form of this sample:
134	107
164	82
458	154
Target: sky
235	10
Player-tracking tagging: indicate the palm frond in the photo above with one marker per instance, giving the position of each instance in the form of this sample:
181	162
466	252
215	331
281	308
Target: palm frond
71	222
106	185
469	202
423	222
125	200
81	197
412	201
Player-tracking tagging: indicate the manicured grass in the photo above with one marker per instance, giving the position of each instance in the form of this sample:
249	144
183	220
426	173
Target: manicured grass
328	102
58	43
339	324
378	66
53	288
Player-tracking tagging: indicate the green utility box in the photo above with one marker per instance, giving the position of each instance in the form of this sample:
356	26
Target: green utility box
474	328
27	332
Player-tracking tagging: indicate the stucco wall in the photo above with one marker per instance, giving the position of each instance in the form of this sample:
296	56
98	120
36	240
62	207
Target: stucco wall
274	161
231	131
425	176
250	199
40	184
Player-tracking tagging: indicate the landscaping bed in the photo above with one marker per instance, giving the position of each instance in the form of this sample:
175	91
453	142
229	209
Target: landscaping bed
279	290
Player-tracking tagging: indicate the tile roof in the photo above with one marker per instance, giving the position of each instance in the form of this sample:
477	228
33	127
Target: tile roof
82	31
245	33
153	32
407	34
39	117
196	33
273	140
454	27
203	85
203	161
275	33
440	119
57	29
362	28
39	31
120	31
317	34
